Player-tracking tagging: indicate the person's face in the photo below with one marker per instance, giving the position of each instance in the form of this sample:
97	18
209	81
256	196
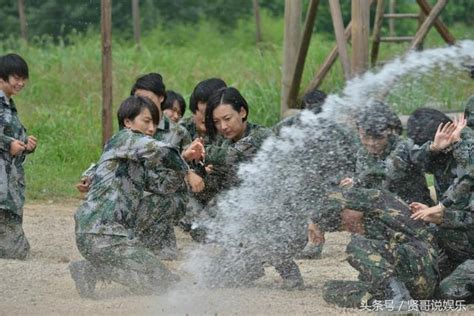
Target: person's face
373	144
174	113
157	100
13	85
198	117
143	123
229	123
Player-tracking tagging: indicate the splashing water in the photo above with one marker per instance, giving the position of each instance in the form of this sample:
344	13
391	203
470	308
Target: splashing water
265	218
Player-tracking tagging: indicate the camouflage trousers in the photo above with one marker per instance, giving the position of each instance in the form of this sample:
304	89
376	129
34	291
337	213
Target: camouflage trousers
156	218
13	242
459	285
414	263
124	260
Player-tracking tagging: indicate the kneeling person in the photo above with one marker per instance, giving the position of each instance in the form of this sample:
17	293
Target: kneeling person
132	169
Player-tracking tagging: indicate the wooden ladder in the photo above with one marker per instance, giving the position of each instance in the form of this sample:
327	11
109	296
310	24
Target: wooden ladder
426	13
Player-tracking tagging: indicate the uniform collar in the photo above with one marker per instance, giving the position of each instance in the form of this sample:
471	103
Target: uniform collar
4	96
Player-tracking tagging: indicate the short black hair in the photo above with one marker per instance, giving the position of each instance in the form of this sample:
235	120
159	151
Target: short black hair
229	96
132	106
13	65
172	96
203	91
313	100
151	82
423	124
377	118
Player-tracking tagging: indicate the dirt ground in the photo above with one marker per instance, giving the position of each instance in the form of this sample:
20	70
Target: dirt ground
42	285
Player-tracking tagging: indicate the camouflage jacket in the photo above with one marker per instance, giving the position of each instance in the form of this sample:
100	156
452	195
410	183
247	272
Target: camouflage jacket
189	125
456	233
405	178
173	134
225	157
131	166
12	179
441	165
386	216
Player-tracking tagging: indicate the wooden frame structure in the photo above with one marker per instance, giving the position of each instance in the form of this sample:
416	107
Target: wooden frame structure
296	44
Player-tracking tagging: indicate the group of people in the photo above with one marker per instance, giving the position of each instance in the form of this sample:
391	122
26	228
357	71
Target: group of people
161	170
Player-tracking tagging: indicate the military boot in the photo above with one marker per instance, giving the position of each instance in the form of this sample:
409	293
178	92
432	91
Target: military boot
85	278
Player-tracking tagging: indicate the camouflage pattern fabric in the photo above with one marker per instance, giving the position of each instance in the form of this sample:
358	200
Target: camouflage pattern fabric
12	175
394	246
13	242
459	285
405	178
173	134
469	111
124	260
119	208
441	165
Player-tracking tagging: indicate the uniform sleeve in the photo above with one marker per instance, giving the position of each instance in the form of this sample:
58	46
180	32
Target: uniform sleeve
5	140
161	180
423	157
458	218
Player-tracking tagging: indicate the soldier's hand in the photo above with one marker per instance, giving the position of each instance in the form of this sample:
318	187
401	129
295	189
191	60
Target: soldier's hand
209	169
195	151
459	124
315	234
443	136
346	182
84	185
195	182
31	144
431	214
17	147
417	206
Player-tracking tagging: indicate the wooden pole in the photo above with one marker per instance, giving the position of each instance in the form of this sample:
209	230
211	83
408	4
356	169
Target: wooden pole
421	19
338	24
429	21
376	32
439	25
391	22
22	16
328	62
106	30
256	13
302	52
291	43
136	21
360	36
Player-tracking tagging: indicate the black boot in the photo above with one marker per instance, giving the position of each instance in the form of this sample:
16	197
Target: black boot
290	273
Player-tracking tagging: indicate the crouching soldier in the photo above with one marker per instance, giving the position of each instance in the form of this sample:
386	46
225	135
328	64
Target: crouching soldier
130	171
396	257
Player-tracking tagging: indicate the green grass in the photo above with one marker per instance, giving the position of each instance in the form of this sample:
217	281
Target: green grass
62	102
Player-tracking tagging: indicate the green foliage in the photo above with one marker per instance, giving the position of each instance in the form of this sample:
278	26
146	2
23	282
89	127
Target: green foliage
62	103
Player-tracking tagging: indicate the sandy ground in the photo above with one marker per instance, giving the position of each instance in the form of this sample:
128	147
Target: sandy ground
42	285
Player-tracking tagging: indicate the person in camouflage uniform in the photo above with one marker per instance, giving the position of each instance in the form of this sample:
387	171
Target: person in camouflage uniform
396	258
151	86
469	112
111	222
174	106
15	144
454	216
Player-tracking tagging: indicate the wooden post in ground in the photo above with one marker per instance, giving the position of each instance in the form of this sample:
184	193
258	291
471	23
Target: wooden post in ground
360	36
338	24
22	16
302	52
106	30
379	11
291	42
439	25
391	22
258	29
429	21
328	62
136	21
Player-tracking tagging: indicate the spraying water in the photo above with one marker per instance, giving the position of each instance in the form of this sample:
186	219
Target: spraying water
265	218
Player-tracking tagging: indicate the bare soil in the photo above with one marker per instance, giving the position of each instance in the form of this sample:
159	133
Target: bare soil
41	285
